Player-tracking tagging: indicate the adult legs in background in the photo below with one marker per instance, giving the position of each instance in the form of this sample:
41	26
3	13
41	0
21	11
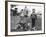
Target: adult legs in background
33	22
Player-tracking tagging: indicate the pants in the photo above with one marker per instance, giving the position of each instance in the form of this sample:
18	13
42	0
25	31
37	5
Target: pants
33	22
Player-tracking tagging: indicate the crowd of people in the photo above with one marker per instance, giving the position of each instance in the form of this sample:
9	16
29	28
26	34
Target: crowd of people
27	22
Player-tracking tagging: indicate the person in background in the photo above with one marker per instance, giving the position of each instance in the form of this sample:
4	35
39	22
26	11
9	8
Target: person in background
33	18
21	12
15	12
25	11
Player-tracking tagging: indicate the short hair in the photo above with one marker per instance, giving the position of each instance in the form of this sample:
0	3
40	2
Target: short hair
16	8
21	9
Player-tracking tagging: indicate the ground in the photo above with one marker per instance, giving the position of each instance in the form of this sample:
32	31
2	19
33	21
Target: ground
16	19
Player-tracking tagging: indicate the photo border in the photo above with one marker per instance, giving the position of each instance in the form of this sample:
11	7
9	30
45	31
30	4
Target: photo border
6	18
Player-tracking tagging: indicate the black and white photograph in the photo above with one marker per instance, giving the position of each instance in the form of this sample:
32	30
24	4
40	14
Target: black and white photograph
25	18
22	19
